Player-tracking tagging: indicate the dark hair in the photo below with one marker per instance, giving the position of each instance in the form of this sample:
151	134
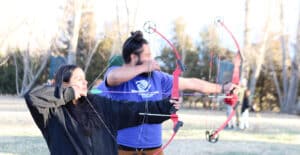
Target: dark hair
84	114
63	74
133	45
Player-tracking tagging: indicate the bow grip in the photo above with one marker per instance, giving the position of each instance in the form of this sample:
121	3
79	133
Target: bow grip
177	126
173	110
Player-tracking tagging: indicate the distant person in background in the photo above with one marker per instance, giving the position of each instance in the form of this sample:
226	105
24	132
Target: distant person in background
230	102
245	110
56	60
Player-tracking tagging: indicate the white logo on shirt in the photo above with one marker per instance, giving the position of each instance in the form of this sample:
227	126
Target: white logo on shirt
143	87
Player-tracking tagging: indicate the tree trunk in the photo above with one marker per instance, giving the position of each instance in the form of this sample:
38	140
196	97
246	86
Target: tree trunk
247	44
276	81
75	32
90	56
294	80
260	57
25	69
284	67
288	96
119	25
296	66
260	60
293	89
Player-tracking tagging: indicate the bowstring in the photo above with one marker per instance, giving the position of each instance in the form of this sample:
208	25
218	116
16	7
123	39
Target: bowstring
93	108
101	119
209	124
101	73
147	101
229	118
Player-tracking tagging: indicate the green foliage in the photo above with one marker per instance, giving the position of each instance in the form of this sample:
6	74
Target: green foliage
265	96
8	73
191	62
192	66
7	83
167	60
99	61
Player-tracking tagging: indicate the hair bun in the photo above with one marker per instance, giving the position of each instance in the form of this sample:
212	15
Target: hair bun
137	36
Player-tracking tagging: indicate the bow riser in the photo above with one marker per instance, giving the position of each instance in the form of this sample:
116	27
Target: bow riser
175	89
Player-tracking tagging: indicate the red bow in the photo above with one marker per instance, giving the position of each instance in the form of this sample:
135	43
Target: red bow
231	98
150	28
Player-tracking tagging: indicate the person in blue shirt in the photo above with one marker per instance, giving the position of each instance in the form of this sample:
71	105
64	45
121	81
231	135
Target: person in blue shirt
140	77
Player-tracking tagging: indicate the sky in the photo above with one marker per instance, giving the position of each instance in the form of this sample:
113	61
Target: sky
23	20
196	13
200	13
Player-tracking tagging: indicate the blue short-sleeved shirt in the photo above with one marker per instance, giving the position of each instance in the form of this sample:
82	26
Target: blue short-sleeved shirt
159	85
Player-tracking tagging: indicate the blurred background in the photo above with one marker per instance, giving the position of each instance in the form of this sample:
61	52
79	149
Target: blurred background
37	36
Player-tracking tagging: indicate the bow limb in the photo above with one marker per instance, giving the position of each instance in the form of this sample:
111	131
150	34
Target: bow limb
238	58
232	98
150	27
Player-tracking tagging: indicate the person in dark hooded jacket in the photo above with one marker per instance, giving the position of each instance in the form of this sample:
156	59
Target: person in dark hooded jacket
74	122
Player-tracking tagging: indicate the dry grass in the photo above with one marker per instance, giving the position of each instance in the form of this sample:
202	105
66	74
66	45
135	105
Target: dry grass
269	134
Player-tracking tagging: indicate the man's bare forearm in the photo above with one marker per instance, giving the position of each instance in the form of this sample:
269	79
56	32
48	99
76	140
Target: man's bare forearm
199	85
128	72
123	74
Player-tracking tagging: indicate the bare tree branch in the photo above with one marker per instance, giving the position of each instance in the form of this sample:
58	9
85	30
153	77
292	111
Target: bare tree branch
128	17
39	72
75	32
118	23
283	48
88	61
275	79
4	60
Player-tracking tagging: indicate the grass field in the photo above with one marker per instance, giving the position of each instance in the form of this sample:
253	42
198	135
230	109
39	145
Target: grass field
269	133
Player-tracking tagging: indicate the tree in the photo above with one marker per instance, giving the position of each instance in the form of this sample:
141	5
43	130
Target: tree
255	53
247	43
290	77
184	45
30	52
210	50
